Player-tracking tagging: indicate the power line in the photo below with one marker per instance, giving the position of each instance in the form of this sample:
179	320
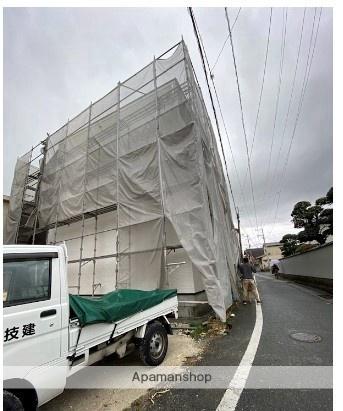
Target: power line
228	139
291	95
222	117
242	114
270	177
283	43
303	91
283	169
304	86
242	208
211	98
261	91
219	133
227	38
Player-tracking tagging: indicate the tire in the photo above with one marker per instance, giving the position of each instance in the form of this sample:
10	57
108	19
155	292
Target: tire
11	402
154	345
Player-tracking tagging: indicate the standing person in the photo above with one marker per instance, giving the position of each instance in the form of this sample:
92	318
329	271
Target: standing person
249	283
275	271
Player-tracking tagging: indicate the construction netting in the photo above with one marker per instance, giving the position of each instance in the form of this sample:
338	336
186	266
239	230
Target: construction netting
135	174
21	173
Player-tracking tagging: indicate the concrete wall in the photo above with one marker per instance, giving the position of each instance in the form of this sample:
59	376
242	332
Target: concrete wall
313	263
314	267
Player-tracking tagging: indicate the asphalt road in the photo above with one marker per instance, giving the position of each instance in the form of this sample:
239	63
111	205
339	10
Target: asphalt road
287	308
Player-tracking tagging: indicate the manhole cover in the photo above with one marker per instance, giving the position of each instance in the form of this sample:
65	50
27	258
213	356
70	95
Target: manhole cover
305	337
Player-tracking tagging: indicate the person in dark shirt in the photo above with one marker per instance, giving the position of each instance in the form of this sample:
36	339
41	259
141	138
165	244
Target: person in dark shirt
275	270
249	284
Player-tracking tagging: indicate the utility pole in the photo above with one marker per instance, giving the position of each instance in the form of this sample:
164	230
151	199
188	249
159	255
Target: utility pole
246	236
239	233
248	239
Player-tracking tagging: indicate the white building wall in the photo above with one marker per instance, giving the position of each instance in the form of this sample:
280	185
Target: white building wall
185	277
105	245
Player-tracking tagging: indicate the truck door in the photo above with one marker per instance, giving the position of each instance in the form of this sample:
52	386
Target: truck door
32	311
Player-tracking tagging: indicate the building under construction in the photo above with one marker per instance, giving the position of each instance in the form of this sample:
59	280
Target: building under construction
134	186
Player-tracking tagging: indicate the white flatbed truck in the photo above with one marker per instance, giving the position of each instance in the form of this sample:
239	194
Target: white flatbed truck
44	344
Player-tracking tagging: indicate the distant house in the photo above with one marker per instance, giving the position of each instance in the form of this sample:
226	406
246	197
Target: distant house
262	257
272	251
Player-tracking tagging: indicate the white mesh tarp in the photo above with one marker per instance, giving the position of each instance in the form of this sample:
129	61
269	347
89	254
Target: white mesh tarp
146	154
12	222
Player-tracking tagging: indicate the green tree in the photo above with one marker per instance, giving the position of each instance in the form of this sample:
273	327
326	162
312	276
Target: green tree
327	219
329	196
316	220
290	244
326	215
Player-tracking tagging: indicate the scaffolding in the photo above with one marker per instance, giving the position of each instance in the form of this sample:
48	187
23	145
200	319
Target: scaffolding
130	179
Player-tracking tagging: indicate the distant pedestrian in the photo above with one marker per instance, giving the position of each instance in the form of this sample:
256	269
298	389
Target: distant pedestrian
275	270
249	283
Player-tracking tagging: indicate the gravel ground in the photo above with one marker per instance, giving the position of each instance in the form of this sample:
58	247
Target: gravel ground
181	347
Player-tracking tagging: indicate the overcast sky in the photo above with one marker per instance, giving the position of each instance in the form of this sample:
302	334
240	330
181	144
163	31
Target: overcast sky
57	60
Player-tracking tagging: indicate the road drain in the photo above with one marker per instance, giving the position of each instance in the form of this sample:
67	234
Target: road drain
305	337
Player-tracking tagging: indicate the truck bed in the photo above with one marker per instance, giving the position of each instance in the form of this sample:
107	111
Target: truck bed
94	334
116	305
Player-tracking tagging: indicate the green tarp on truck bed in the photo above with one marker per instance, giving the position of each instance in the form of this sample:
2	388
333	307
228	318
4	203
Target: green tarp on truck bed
116	305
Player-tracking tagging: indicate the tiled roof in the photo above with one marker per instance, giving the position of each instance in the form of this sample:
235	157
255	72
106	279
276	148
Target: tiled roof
255	252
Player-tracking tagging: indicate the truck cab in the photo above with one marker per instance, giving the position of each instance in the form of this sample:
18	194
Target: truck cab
36	314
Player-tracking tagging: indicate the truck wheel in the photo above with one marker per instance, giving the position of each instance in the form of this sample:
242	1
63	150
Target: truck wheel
11	402
154	345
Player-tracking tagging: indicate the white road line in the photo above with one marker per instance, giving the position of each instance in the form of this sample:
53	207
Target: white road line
236	386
